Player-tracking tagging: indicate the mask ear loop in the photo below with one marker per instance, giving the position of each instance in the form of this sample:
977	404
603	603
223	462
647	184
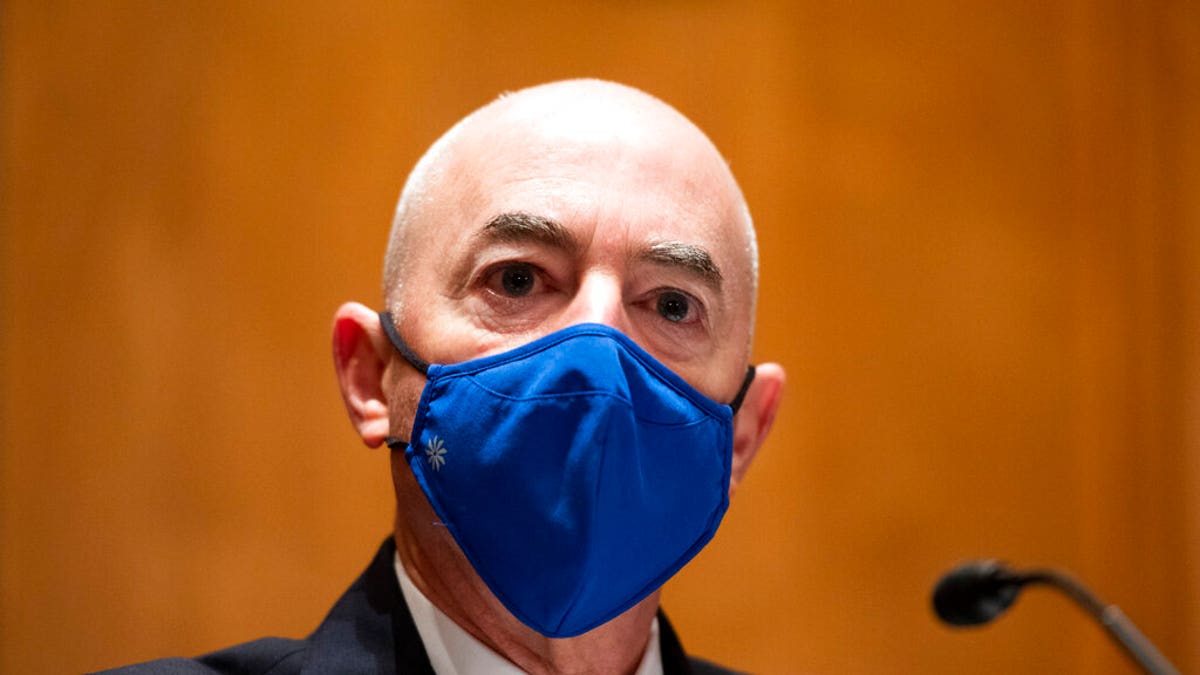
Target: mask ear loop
741	395
421	365
389	327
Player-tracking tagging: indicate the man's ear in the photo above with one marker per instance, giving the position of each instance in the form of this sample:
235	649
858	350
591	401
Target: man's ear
360	355
754	419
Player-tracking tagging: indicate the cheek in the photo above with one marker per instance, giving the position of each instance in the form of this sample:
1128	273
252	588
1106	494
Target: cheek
404	386
469	336
719	380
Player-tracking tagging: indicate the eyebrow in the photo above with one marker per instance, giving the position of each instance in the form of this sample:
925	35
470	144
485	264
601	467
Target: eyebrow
519	226
689	258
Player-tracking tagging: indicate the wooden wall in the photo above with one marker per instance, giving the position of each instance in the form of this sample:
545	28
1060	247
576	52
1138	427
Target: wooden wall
979	226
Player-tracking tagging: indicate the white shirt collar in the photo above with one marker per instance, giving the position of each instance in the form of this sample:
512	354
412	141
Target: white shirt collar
454	651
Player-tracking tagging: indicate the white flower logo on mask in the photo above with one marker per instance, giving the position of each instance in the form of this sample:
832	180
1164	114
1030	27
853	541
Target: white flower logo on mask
435	453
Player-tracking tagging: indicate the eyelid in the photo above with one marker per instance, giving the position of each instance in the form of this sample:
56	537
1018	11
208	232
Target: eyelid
488	261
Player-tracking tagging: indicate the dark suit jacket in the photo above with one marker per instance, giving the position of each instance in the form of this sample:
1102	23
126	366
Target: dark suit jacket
369	630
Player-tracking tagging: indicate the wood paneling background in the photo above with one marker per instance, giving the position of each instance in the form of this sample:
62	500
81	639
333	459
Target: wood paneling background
980	253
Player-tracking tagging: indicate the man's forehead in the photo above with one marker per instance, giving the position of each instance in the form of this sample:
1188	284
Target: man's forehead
650	178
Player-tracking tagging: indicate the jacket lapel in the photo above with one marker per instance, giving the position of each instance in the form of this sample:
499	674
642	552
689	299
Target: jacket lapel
369	630
674	659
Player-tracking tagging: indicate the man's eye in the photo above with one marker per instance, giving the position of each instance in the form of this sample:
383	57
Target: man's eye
518	280
673	306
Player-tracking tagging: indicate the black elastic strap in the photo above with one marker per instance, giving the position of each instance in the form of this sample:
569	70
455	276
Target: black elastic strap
420	364
389	327
737	400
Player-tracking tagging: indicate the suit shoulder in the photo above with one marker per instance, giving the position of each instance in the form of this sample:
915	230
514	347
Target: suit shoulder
702	667
268	656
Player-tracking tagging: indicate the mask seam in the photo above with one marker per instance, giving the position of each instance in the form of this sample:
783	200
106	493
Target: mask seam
596	394
599	330
590	543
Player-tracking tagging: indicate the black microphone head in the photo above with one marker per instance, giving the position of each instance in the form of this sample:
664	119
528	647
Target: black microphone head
976	592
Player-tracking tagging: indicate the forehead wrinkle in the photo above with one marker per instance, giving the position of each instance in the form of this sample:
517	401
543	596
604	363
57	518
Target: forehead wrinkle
519	226
689	258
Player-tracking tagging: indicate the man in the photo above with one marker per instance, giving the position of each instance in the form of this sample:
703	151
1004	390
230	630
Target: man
579	264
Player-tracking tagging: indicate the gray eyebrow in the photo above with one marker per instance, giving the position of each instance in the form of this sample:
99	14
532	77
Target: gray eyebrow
687	257
519	226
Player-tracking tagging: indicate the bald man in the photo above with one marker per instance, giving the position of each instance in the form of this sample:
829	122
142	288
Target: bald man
562	372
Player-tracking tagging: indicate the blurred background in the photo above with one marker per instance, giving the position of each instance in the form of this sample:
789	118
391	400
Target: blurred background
980	234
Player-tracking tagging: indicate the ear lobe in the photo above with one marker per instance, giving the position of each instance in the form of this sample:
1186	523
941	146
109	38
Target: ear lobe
754	419
360	362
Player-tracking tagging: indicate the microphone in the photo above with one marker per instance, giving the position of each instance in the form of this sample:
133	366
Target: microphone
976	592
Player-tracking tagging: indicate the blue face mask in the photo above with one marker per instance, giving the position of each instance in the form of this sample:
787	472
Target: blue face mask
577	473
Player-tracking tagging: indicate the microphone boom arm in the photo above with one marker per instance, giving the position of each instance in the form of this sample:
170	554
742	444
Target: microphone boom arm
1132	640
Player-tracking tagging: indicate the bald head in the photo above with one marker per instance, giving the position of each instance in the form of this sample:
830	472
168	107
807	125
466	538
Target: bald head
531	134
